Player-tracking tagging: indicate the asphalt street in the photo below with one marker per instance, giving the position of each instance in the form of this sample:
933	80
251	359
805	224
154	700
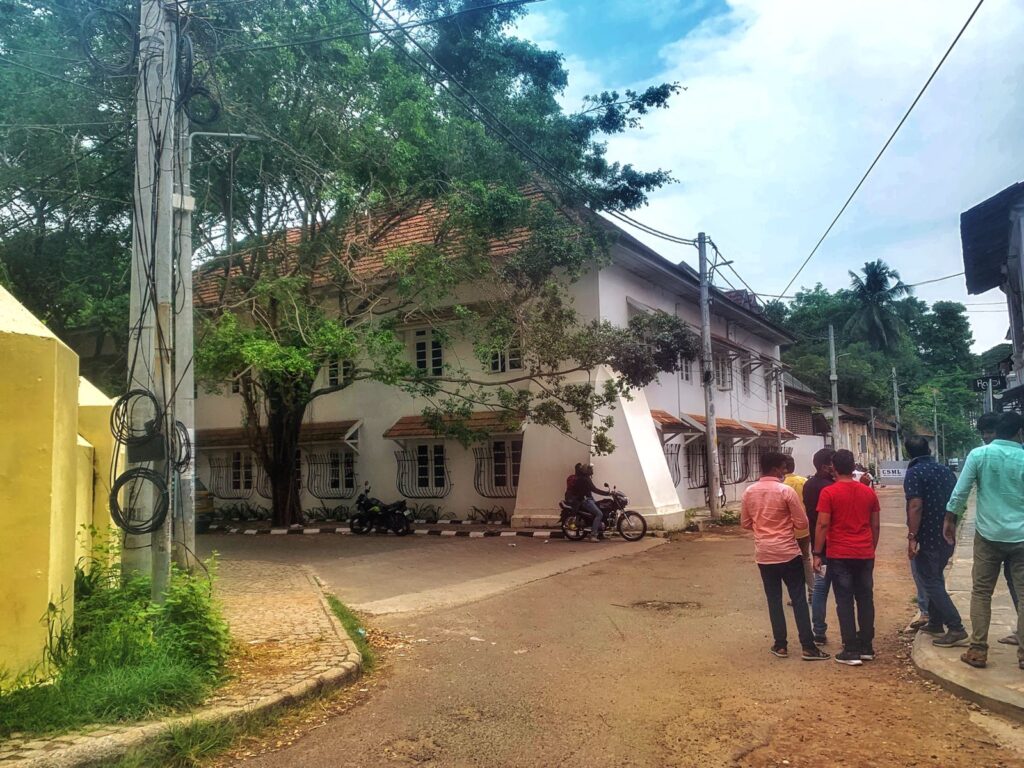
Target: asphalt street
655	658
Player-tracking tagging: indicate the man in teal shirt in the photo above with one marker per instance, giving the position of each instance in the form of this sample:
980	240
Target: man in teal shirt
997	469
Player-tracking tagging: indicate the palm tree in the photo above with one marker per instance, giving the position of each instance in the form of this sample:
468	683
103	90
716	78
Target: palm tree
875	293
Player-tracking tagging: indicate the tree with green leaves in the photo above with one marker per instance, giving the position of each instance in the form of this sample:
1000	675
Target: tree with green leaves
875	293
363	131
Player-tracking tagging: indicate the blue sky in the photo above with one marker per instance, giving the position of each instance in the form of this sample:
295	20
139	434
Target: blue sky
787	103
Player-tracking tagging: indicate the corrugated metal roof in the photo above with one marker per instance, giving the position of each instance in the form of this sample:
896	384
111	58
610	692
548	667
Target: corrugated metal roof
727	427
985	239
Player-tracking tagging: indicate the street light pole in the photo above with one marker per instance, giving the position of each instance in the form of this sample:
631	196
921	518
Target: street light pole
896	408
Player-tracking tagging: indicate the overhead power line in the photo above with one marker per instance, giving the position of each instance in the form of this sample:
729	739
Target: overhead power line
273	45
885	146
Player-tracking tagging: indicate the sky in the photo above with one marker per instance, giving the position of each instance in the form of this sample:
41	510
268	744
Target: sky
787	103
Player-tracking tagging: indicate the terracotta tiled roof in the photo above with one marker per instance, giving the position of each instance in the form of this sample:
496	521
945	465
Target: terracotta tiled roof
233	437
770	430
361	250
727	427
496	422
670	423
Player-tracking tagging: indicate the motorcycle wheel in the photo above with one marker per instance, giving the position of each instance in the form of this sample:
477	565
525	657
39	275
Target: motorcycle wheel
632	526
359	524
400	524
574	527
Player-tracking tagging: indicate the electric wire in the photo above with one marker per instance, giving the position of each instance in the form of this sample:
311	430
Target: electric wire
885	146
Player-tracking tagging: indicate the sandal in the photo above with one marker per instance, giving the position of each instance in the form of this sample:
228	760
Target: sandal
975	657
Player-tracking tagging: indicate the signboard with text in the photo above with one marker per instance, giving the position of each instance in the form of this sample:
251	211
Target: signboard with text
984	383
892	472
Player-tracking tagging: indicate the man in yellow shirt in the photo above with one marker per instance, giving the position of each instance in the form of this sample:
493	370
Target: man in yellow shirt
796	482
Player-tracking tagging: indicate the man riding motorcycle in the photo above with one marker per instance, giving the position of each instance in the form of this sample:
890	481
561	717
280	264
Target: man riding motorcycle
582	492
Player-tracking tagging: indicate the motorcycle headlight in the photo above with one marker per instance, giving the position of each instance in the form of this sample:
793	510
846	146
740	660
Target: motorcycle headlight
625	501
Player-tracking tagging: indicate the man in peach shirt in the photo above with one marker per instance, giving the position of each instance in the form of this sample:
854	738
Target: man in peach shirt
773	511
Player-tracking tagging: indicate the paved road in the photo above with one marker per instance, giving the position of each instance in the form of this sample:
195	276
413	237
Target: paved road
656	659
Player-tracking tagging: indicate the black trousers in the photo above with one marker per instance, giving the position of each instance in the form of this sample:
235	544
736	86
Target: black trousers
792	575
853	582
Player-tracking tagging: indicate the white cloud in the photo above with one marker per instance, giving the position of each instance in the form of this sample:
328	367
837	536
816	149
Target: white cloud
787	104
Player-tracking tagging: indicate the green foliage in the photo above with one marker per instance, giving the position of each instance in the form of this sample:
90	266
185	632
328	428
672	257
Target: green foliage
128	658
879	326
354	627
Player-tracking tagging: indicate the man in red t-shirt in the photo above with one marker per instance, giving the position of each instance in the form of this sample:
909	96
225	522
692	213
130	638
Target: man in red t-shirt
848	524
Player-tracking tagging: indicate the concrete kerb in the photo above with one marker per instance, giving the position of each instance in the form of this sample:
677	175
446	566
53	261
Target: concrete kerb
87	751
339	530
1000	686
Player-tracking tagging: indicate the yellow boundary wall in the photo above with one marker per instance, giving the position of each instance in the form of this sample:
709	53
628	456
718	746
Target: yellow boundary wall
55	453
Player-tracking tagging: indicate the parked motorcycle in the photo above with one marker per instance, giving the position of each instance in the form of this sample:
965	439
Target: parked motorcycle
576	521
372	514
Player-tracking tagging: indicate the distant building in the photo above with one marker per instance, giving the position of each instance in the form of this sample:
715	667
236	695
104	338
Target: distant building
372	432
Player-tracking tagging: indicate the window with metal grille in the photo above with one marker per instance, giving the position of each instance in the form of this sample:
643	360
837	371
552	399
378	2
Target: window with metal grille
241	471
430	466
338	371
429	353
510	359
686	369
235	385
672	458
723	371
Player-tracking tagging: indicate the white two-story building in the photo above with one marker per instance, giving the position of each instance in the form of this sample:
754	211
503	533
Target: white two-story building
372	433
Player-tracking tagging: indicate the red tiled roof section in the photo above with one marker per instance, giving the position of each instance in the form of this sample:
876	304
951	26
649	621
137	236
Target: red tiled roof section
495	422
666	419
729	427
767	429
361	242
232	437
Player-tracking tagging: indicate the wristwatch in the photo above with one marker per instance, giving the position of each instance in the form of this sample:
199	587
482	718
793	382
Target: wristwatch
912	536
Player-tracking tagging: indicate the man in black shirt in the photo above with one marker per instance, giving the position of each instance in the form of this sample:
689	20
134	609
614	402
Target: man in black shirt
583	490
823	477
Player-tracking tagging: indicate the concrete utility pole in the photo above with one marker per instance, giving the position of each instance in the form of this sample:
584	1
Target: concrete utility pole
184	365
150	338
873	453
780	405
708	377
834	379
896	407
935	420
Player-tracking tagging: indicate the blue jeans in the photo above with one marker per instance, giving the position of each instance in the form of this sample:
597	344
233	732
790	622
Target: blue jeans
931	566
922	594
819	602
590	507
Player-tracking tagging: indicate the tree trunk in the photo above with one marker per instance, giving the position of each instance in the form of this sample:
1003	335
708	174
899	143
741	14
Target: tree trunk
286	407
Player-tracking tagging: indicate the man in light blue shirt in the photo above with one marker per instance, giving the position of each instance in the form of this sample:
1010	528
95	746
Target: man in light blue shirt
997	470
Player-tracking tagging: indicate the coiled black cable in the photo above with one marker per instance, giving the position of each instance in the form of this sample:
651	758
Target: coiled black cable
117	23
200	116
121	417
181	448
124	517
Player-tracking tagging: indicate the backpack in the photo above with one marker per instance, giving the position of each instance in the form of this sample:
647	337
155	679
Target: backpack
570	486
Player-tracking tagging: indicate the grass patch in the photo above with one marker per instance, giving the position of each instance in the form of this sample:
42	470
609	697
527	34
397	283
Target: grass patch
354	626
124	658
192	744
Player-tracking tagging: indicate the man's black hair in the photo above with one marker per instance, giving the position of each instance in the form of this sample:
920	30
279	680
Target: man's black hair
917	446
771	461
987	422
844	462
790	463
1009	424
823	458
